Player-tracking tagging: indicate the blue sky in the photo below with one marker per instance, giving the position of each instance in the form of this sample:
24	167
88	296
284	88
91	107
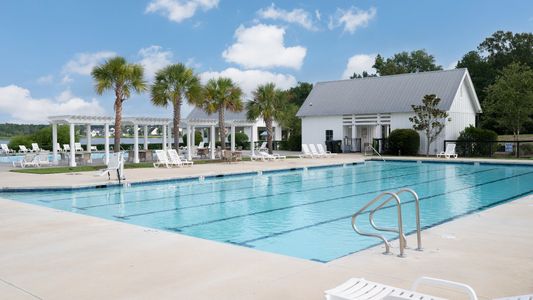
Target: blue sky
49	47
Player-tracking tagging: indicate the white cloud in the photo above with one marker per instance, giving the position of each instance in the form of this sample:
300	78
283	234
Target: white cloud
262	46
179	10
83	63
296	16
359	63
352	19
66	79
318	15
452	65
154	58
22	107
48	79
248	80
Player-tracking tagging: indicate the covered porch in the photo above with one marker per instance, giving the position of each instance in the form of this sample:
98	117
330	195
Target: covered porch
359	131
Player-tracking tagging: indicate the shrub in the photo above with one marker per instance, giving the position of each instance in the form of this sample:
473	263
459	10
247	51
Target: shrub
197	138
241	139
294	143
44	136
473	142
404	142
24	140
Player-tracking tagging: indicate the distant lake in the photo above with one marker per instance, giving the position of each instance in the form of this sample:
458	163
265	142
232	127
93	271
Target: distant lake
101	141
4	141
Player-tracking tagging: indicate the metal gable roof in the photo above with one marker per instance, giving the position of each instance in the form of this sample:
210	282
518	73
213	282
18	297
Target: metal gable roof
385	94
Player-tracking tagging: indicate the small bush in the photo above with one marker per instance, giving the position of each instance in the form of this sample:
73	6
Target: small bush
295	142
44	136
404	142
474	142
197	138
24	140
241	139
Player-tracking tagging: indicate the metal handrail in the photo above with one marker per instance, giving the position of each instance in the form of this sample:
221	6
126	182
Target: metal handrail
376	151
417	206
400	224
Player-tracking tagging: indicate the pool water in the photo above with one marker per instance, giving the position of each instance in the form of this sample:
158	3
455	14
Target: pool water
300	213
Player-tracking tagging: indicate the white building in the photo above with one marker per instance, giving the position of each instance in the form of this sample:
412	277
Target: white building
357	111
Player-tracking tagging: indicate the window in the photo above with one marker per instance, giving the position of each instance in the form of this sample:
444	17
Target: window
329	135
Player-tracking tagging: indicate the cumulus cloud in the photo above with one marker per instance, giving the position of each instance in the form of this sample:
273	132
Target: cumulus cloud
22	107
83	63
262	46
248	80
154	58
47	79
359	63
179	10
295	16
352	19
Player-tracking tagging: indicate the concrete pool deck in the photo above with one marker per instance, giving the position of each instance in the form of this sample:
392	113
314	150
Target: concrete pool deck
53	254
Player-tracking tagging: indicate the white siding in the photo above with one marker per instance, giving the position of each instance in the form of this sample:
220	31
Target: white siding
314	129
462	113
401	120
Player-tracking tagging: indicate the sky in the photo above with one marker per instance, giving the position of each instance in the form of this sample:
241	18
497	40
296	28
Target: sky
48	48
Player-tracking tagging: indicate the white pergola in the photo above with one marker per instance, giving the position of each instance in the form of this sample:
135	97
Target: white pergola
193	124
73	120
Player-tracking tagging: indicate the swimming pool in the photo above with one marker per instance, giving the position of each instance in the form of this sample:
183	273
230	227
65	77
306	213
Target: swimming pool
300	213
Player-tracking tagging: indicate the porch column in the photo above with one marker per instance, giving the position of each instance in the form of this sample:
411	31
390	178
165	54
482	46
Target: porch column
165	137
212	142
145	137
189	147
88	133
169	139
106	145
54	143
135	143
252	140
377	135
72	139
232	137
354	137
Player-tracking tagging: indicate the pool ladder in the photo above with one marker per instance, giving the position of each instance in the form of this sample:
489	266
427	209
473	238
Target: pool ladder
392	196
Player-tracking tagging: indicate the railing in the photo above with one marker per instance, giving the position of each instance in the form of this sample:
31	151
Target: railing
375	151
506	148
401	236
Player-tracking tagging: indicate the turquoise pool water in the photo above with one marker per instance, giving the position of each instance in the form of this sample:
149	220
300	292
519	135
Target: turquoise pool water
301	213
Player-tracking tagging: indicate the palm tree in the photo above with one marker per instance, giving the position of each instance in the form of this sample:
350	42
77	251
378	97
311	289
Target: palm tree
122	77
171	85
220	95
267	103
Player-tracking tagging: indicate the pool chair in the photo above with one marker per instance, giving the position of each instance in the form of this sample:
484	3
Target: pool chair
322	151
175	159
23	149
162	159
115	164
306	152
5	149
78	147
29	160
315	152
359	288
263	147
261	155
35	147
449	153
201	145
94	148
43	159
59	149
66	147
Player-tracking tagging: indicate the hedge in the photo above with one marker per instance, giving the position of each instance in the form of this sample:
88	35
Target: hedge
404	142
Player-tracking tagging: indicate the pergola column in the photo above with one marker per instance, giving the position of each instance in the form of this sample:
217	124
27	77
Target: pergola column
169	139
135	143
232	137
212	142
145	137
253	132
54	143
88	133
106	143
165	137
72	139
189	147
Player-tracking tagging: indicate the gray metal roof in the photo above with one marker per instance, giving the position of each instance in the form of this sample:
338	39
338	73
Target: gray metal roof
200	114
385	94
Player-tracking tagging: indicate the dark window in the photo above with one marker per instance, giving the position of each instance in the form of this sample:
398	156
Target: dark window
329	135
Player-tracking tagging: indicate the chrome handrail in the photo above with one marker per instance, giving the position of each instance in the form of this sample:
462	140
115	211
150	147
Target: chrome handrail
400	224
376	151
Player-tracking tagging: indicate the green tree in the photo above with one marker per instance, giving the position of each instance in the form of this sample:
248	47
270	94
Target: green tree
429	119
44	136
171	85
406	62
362	75
122	77
267	103
510	98
222	94
299	93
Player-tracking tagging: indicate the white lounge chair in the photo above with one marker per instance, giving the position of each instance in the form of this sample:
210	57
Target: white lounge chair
23	149
359	288
78	147
175	159
59	149
449	153
115	163
5	149
323	151
263	147
94	148
66	147
201	145
162	159
315	152
306	152
35	147
29	160
43	159
261	155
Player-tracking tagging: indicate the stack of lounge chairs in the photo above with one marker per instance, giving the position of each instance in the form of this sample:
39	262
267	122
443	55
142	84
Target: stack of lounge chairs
170	158
310	151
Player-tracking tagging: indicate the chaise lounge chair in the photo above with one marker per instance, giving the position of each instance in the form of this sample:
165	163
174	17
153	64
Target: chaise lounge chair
261	155
306	152
359	289
162	159
66	147
263	147
78	147
5	149
174	159
23	149
449	153
315	152
35	147
322	151
29	160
